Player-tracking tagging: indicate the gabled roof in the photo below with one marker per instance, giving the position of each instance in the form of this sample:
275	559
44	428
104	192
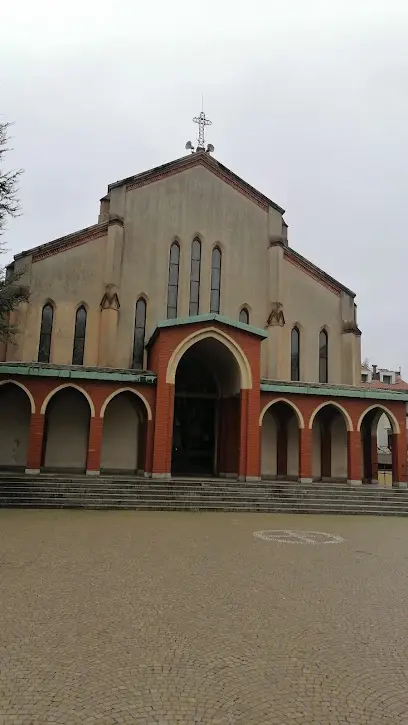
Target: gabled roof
200	158
210	317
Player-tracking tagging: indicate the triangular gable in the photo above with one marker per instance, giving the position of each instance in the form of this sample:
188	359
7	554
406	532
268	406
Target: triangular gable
200	158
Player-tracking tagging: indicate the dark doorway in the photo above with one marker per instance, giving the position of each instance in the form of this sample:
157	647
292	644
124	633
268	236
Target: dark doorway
195	418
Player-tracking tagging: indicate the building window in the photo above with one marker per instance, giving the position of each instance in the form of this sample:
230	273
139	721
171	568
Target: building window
139	334
215	280
79	337
44	348
244	316
323	357
195	277
389	439
172	288
295	354
387	379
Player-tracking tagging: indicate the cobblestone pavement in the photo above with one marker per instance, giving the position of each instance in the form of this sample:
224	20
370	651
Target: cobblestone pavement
146	618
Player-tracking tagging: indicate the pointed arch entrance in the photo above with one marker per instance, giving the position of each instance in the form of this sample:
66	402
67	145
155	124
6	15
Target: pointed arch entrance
206	421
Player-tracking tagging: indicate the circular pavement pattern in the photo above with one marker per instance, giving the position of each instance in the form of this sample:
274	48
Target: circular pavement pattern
291	536
183	619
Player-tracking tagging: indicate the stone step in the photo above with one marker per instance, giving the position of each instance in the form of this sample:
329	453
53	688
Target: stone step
149	491
198	498
162	506
34	497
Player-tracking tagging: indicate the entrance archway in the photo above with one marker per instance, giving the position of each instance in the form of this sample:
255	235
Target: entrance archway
206	420
66	431
124	434
372	447
280	442
329	444
15	415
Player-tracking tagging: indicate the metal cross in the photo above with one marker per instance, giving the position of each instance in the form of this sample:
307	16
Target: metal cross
202	123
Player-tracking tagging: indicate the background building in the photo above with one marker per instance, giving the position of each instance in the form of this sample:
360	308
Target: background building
383	378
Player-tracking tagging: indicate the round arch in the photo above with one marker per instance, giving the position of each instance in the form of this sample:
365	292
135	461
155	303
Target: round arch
343	411
388	413
20	385
290	404
226	340
68	385
126	390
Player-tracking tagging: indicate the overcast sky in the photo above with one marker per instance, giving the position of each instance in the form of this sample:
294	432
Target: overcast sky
308	100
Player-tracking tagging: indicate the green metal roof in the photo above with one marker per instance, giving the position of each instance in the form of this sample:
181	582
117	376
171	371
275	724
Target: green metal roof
331	391
212	317
77	372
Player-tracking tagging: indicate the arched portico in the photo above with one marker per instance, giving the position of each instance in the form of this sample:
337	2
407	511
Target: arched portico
280	425
368	428
330	424
66	429
16	406
125	415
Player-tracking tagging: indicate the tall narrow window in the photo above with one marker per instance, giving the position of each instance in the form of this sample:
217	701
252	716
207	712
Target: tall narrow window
172	288
139	335
195	277
79	337
244	316
295	354
215	280
323	357
44	348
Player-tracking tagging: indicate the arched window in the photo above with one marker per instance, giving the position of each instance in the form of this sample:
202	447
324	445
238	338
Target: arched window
195	277
172	288
323	356
79	337
215	280
139	335
295	354
44	348
244	316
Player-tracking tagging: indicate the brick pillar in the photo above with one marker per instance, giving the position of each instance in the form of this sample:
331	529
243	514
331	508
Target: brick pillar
243	423
253	471
163	430
374	458
354	457
325	449
93	458
35	443
399	472
249	465
149	449
305	455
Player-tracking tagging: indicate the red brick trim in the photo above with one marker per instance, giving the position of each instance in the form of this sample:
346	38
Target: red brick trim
312	271
72	240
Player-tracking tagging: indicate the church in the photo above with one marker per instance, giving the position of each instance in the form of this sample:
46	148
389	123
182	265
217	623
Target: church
182	335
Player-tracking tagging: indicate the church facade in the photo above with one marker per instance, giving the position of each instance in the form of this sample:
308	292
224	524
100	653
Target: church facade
181	335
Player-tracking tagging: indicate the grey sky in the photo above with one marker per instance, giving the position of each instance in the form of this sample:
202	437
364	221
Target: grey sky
308	101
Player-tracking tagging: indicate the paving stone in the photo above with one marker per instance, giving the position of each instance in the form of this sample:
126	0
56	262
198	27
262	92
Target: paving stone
110	618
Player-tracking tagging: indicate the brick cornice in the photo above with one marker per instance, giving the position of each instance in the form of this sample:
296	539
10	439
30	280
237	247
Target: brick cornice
318	274
67	242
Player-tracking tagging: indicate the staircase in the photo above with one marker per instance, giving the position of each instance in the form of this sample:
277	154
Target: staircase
46	491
